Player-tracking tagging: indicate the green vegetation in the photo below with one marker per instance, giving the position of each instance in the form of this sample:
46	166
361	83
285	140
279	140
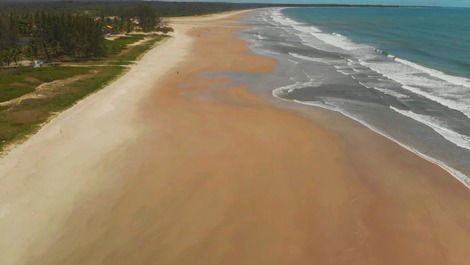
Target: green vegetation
133	53
128	8
35	33
60	86
117	45
123	50
19	120
17	82
45	36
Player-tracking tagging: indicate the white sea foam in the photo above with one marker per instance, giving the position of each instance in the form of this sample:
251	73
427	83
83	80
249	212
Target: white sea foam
450	91
449	95
458	139
456	80
334	39
291	87
391	92
308	58
385	91
259	37
306	32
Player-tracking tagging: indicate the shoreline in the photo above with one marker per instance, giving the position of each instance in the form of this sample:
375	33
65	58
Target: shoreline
447	165
459	176
191	168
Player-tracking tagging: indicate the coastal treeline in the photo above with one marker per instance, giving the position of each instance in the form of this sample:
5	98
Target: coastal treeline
41	35
35	34
116	7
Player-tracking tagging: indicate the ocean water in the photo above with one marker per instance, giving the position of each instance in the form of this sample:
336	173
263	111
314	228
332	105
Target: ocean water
437	38
403	72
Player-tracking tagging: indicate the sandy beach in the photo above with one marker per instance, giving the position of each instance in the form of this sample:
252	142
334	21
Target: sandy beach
169	165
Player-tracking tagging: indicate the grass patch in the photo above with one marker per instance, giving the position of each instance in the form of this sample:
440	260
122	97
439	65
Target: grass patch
23	119
131	54
11	92
20	81
135	52
119	44
120	53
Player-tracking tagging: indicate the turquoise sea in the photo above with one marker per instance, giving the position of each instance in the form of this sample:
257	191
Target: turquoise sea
437	38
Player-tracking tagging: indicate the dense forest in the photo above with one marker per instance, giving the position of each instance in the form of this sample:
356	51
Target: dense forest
32	32
37	32
47	35
117	8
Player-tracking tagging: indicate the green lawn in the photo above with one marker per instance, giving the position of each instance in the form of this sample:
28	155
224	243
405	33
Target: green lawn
133	53
23	119
17	82
119	44
118	53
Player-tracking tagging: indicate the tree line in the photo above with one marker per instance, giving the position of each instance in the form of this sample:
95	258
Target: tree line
40	34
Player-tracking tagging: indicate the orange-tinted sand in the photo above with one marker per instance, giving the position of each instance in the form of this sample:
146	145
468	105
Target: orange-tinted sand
213	174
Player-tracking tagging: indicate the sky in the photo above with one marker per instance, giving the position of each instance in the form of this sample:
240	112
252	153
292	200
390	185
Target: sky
460	3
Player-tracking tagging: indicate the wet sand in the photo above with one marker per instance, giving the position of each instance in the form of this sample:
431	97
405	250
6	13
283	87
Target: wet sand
171	166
